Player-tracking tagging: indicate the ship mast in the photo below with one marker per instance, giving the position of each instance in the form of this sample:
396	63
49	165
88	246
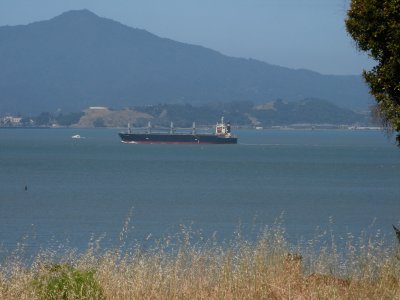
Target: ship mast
149	127
194	128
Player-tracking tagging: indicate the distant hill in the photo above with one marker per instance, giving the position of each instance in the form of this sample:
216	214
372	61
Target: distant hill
307	111
276	113
78	59
104	117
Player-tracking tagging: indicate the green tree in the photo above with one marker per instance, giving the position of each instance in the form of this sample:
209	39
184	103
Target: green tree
375	26
69	119
26	122
44	119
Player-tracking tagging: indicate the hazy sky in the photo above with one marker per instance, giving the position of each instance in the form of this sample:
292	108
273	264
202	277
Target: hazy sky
300	34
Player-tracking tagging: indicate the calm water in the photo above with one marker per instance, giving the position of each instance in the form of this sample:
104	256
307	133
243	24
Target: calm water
80	188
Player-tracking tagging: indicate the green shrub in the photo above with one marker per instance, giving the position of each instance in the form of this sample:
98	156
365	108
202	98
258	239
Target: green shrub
61	281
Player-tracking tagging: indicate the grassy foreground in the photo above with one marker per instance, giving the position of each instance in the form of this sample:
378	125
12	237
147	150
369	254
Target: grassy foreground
178	268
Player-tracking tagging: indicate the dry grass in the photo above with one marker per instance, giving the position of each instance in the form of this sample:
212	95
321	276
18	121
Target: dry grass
180	269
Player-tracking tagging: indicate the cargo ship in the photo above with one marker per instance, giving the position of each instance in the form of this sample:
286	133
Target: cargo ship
222	135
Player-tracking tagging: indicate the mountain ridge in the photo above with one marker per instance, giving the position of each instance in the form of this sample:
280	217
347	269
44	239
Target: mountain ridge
78	59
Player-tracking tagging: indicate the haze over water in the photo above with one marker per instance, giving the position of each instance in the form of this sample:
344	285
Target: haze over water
82	188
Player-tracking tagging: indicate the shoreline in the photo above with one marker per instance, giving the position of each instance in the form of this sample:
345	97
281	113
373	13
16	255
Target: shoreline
205	127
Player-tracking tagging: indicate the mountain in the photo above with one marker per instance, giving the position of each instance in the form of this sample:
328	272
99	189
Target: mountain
78	59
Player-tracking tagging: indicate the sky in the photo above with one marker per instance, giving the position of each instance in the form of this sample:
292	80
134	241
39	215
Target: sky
298	34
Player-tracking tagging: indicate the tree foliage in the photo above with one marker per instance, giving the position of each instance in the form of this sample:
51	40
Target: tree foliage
375	26
43	119
69	119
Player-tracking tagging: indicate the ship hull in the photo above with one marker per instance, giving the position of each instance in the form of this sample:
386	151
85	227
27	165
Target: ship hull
165	138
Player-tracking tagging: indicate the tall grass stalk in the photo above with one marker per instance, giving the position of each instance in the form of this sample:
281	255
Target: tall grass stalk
183	267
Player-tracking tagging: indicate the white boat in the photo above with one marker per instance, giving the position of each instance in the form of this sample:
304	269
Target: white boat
77	136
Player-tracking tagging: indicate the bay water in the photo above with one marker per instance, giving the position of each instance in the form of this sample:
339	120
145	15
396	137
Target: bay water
55	189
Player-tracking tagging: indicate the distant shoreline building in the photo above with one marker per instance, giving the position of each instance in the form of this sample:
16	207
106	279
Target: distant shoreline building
10	121
98	108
